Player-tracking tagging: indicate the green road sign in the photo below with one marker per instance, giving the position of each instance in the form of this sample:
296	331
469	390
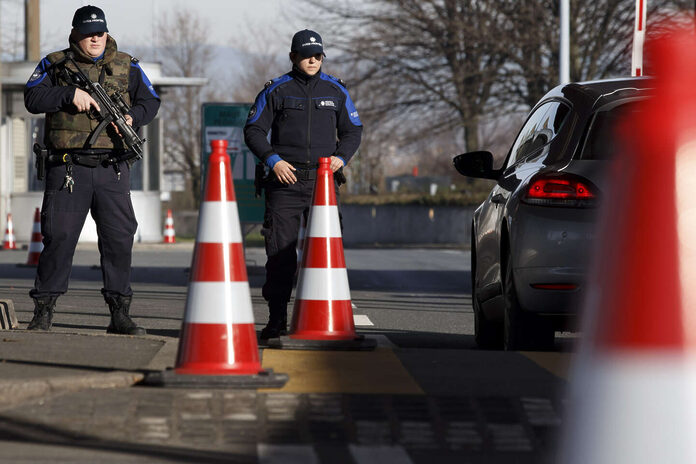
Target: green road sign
226	121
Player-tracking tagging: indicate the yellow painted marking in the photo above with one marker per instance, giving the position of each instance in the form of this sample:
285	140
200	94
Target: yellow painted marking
375	372
556	363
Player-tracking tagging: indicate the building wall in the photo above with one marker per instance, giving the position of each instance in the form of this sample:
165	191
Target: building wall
18	147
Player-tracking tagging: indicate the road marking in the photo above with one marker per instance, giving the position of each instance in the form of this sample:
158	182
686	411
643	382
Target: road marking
556	363
286	454
373	372
362	320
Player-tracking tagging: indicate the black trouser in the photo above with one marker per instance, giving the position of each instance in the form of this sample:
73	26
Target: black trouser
284	206
62	216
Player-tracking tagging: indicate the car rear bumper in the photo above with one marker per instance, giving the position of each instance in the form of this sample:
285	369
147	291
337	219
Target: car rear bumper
552	247
550	290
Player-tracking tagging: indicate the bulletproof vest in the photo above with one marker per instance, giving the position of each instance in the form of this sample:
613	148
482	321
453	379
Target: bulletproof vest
67	128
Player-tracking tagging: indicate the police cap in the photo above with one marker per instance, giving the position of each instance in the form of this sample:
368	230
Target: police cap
307	43
89	19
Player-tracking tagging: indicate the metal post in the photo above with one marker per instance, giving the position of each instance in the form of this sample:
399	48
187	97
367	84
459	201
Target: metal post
564	72
32	36
639	38
3	170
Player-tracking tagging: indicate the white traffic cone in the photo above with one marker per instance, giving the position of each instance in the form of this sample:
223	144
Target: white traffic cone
9	242
169	233
634	384
322	315
217	344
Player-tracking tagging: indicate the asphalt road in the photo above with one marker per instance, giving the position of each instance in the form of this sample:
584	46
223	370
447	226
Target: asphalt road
425	395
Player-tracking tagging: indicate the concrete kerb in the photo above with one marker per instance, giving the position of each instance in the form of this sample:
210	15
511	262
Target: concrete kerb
13	392
102	373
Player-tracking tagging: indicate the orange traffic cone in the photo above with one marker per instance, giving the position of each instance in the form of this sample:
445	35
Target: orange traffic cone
9	242
36	243
169	233
633	385
322	315
218	344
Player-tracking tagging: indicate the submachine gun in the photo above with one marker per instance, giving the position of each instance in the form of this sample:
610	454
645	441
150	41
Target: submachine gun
112	109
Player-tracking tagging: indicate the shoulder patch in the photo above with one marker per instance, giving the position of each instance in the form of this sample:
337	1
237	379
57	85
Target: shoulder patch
268	84
38	72
134	60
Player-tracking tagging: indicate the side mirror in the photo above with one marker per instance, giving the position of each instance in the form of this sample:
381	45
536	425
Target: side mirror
476	164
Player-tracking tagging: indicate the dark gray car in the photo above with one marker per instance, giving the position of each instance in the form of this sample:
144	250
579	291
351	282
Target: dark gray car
533	236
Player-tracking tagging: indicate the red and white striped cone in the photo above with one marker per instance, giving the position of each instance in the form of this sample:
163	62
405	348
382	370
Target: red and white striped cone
36	243
9	242
632	388
169	233
322	315
217	345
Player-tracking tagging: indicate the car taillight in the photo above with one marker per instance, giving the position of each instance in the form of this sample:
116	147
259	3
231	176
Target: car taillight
561	189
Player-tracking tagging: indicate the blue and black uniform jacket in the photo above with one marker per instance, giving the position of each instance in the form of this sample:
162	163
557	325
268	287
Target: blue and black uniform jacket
309	117
42	95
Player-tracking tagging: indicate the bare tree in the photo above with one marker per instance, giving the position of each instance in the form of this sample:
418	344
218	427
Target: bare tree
434	61
601	34
184	51
443	65
263	59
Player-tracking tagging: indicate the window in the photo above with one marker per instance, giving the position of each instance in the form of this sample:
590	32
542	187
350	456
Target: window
602	141
541	127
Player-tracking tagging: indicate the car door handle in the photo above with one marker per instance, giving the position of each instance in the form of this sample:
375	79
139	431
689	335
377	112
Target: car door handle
498	198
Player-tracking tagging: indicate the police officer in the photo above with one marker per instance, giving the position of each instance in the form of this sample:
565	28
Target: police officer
87	177
310	115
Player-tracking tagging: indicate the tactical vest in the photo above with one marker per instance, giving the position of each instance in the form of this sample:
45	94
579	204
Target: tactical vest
67	128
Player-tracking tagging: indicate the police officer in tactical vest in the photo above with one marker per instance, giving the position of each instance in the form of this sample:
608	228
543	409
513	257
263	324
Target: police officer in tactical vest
310	115
82	176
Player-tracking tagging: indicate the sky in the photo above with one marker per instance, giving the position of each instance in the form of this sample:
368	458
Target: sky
130	21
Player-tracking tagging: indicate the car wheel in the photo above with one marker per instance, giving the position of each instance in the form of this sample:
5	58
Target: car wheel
522	330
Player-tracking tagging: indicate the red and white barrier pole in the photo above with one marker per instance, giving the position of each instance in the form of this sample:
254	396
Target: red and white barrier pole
639	38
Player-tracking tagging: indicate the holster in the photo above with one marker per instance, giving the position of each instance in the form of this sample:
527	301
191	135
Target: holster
340	177
261	173
41	153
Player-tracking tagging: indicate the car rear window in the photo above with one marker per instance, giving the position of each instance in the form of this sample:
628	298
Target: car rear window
601	142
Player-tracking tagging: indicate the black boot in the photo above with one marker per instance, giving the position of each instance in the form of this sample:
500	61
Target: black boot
43	313
277	321
121	323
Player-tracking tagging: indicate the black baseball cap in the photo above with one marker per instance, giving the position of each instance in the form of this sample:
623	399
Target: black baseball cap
89	19
307	43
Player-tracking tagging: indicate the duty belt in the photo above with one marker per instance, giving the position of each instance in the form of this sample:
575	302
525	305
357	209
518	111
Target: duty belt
90	160
305	174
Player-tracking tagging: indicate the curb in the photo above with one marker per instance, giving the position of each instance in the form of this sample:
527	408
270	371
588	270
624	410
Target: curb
13	392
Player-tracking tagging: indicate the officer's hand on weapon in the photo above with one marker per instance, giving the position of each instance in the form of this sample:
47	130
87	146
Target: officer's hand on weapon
283	171
335	164
83	101
129	121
